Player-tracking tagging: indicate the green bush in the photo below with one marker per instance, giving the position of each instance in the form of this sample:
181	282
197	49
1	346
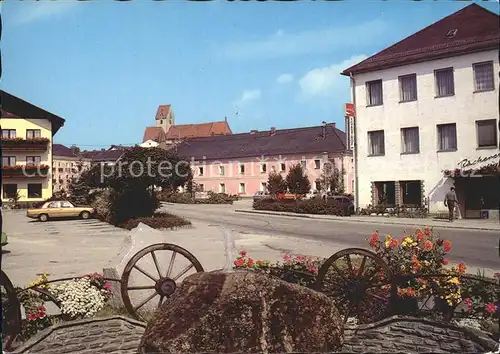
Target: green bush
175	197
186	198
310	206
157	221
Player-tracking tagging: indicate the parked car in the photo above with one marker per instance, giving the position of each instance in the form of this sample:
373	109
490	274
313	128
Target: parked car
59	209
260	195
314	195
343	202
5	239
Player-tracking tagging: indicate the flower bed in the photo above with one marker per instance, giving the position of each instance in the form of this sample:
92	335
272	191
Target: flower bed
309	206
157	221
187	198
19	169
418	262
400	211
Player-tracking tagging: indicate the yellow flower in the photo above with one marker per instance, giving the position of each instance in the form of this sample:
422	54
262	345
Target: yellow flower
454	281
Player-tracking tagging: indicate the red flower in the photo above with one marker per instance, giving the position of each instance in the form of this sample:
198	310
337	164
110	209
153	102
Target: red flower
250	262
447	246
468	302
419	235
239	262
427	231
491	308
243	253
42	308
41	315
445	262
31	316
427	245
374	239
394	243
107	286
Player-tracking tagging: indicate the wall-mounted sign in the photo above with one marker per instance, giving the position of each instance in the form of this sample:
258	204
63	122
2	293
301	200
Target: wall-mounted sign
351	133
349	110
470	163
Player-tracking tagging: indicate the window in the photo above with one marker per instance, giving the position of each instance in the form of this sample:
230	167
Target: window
34	190
8	160
201	187
9	191
263	168
303	163
374	93
33	133
200	171
33	160
54	205
8	133
317	164
242	169
411	192
376	143
263	186
222	188
410	141
221	170
282	167
66	205
487	133
483	76
445	85
447	137
408	88
385	193
242	188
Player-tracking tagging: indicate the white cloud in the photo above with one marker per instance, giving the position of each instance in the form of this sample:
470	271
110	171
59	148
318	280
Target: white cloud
247	97
284	78
37	10
325	81
282	44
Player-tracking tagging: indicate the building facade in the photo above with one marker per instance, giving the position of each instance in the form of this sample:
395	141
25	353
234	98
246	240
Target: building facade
67	164
27	133
240	163
426	106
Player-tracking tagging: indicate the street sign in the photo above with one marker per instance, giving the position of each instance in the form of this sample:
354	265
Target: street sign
349	110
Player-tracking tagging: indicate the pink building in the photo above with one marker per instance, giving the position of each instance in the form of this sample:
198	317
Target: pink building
240	163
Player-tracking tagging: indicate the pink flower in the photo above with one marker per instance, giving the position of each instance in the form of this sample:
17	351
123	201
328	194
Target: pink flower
243	253
491	308
107	286
468	302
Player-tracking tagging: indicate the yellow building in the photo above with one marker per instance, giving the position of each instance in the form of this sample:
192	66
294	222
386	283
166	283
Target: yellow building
27	133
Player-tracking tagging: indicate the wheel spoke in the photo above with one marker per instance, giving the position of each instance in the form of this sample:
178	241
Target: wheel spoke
334	266
161	301
375	296
362	266
149	298
349	262
157	265
184	271
171	264
146	287
145	273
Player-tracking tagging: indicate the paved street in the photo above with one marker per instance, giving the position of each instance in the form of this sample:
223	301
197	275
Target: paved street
477	248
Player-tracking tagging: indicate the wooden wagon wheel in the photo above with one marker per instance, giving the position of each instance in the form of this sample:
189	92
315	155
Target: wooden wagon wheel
359	281
164	283
11	311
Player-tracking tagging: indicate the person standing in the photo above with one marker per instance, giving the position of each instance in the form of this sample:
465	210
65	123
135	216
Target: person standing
451	201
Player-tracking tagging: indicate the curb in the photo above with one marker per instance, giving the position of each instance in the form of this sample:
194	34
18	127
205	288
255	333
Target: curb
346	219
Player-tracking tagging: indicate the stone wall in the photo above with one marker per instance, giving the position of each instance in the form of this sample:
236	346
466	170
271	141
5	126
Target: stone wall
115	334
412	335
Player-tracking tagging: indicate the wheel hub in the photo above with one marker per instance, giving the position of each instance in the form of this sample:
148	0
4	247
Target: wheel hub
165	286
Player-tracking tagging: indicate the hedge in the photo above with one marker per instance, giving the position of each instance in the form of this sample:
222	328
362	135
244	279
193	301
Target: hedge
157	221
309	206
186	198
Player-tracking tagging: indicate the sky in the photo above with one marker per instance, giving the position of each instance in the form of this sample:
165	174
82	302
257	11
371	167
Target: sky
106	66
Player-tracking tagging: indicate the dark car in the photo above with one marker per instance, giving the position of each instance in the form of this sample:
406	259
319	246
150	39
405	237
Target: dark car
342	201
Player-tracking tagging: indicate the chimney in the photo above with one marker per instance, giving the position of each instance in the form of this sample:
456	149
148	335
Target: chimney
324	130
253	131
334	125
272	131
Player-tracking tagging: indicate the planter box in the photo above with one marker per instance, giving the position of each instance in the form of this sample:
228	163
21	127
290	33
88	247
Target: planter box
17	144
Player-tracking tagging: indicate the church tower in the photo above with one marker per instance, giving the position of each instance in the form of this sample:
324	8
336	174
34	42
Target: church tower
165	117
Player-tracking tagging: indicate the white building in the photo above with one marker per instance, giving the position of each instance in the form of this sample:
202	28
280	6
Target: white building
426	105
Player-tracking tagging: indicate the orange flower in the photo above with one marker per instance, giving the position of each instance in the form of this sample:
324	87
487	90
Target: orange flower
428	245
394	243
447	246
461	267
259	262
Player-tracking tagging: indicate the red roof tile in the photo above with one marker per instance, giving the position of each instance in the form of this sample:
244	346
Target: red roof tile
62	151
282	142
162	111
477	30
185	131
154	133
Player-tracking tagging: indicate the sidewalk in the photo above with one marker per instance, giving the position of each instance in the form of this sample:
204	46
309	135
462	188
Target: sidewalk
468	224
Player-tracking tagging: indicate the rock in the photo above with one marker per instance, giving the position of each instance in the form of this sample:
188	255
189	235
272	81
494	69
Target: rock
244	312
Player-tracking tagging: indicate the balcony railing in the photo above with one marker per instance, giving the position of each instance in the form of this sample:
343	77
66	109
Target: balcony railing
25	144
25	170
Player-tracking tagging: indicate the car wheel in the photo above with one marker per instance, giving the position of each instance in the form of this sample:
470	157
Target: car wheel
43	217
85	215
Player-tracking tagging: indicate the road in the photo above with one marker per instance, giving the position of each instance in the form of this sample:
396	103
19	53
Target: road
477	248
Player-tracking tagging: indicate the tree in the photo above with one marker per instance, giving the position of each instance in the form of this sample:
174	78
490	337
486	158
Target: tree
78	191
296	180
332	178
275	183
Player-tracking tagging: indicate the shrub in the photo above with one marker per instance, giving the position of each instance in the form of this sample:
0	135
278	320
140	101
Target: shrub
275	184
216	198
186	198
101	202
157	221
175	197
296	180
309	206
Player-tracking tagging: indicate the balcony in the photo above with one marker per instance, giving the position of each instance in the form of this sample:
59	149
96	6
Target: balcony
29	171
20	144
